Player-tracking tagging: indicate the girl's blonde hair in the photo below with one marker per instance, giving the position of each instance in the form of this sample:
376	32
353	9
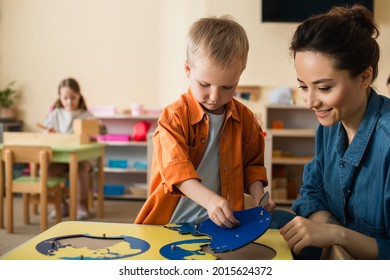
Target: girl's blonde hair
222	40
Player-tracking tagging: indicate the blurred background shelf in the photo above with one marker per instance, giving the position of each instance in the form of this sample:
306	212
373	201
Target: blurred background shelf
127	156
291	130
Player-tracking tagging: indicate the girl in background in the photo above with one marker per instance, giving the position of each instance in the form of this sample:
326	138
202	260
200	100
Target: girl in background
69	106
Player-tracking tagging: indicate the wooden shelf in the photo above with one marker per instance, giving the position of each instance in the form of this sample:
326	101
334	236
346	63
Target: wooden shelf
292	132
126	196
253	91
127	117
291	147
287	107
124	170
133	152
131	143
291	160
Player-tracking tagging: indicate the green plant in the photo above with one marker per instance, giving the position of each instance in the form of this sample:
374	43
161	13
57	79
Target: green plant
8	95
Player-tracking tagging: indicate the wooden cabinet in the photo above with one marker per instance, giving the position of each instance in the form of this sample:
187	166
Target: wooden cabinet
292	133
126	161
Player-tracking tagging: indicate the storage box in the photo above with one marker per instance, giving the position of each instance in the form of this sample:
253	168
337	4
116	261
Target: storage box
277	153
114	138
142	165
279	188
139	190
114	190
279	183
102	110
279	193
117	163
86	127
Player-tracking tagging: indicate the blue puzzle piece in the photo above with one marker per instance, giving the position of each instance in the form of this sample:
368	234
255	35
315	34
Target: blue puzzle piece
253	223
174	251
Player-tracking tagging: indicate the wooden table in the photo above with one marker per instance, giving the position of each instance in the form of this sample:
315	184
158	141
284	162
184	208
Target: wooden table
94	240
71	154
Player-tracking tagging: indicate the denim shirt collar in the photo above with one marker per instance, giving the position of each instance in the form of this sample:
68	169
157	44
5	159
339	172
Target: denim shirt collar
353	155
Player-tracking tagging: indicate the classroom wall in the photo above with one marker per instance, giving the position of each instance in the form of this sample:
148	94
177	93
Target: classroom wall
125	51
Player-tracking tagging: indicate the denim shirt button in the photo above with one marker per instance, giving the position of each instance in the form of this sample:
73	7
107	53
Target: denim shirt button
341	165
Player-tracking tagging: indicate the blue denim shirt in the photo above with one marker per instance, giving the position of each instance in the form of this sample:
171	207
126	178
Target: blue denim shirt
353	182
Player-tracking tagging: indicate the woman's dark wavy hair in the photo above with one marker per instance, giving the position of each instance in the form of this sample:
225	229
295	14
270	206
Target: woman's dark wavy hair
347	34
74	85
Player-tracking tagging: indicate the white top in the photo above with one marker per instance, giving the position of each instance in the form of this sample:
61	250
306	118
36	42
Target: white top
62	120
187	211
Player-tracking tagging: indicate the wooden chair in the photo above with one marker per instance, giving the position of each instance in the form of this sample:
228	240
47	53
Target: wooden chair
91	198
2	190
48	189
91	184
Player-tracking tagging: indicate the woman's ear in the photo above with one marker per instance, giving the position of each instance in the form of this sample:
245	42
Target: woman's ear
366	77
187	68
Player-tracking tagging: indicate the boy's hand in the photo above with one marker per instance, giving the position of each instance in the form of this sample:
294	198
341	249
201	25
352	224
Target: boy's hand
220	212
256	190
217	207
271	205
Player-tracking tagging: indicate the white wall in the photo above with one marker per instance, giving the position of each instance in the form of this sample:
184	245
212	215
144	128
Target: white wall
125	51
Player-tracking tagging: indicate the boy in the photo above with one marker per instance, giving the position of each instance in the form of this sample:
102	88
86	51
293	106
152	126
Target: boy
208	147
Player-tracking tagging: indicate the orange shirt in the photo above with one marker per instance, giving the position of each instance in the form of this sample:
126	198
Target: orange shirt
179	142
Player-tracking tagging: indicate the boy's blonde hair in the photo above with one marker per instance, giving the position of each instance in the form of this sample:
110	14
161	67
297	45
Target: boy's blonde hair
221	40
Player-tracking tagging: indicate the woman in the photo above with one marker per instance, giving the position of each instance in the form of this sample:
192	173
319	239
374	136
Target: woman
345	197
